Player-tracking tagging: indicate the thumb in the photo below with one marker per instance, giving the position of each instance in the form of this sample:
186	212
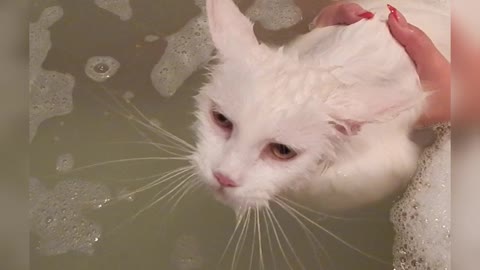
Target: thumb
417	44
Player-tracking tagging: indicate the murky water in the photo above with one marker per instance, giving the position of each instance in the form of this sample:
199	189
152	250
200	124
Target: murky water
108	58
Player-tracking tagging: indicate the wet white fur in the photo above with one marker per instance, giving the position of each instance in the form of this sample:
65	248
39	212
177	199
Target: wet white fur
296	95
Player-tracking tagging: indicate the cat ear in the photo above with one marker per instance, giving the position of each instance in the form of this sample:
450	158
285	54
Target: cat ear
231	31
350	112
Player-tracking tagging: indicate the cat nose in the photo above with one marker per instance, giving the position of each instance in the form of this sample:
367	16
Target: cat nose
224	181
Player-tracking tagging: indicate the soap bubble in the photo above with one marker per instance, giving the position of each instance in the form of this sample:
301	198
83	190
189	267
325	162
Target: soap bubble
65	162
56	216
101	68
121	8
50	91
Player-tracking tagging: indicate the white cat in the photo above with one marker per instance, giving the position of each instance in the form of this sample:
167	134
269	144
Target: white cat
325	120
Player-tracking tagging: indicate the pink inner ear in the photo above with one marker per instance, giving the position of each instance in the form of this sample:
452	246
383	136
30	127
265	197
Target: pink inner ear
348	128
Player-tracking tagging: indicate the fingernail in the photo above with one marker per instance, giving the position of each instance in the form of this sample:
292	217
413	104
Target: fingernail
367	15
397	15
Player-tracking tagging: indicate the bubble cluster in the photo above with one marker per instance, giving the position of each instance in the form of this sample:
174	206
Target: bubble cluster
50	91
121	8
275	14
101	68
65	162
151	38
186	51
422	218
56	216
186	254
191	47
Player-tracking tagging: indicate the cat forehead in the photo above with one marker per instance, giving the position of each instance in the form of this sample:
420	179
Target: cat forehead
272	81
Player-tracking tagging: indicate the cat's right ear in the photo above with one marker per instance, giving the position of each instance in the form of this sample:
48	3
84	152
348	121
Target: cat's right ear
231	31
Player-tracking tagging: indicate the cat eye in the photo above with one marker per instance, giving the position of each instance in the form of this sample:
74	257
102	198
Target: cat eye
221	120
281	151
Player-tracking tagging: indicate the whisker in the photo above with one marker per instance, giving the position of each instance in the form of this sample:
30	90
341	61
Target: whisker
286	200
310	235
185	192
260	248
161	180
126	160
269	240
288	242
237	225
252	251
147	123
157	200
336	237
161	146
269	213
240	239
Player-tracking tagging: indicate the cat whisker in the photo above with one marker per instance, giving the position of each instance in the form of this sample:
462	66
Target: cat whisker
288	241
144	121
161	146
269	239
252	251
309	234
240	221
260	248
335	236
159	197
190	188
269	215
166	177
160	131
241	240
126	160
321	214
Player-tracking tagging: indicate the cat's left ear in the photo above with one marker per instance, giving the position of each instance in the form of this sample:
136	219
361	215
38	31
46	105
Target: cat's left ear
349	113
231	31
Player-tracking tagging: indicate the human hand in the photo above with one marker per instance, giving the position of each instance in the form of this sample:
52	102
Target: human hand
433	69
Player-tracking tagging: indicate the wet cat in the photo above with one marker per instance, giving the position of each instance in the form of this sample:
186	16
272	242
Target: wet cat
324	120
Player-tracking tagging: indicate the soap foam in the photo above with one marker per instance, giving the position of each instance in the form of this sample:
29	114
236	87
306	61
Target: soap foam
121	8
275	14
56	215
192	47
65	162
101	68
50	91
422	218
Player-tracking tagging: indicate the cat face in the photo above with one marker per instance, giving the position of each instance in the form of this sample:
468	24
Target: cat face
267	120
253	141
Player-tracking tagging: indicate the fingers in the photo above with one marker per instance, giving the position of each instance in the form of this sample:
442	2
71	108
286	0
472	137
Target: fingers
417	44
342	13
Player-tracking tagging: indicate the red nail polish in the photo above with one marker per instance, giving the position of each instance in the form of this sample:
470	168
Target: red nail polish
394	11
367	15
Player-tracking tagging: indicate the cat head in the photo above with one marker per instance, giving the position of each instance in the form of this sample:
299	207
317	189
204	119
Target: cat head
267	120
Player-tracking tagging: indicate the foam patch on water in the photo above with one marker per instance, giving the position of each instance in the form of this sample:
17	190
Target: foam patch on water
101	68
50	91
275	14
65	162
56	216
121	8
422	218
186	254
186	51
192	47
151	38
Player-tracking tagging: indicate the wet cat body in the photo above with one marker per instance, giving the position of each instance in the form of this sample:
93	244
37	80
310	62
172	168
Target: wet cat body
324	120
